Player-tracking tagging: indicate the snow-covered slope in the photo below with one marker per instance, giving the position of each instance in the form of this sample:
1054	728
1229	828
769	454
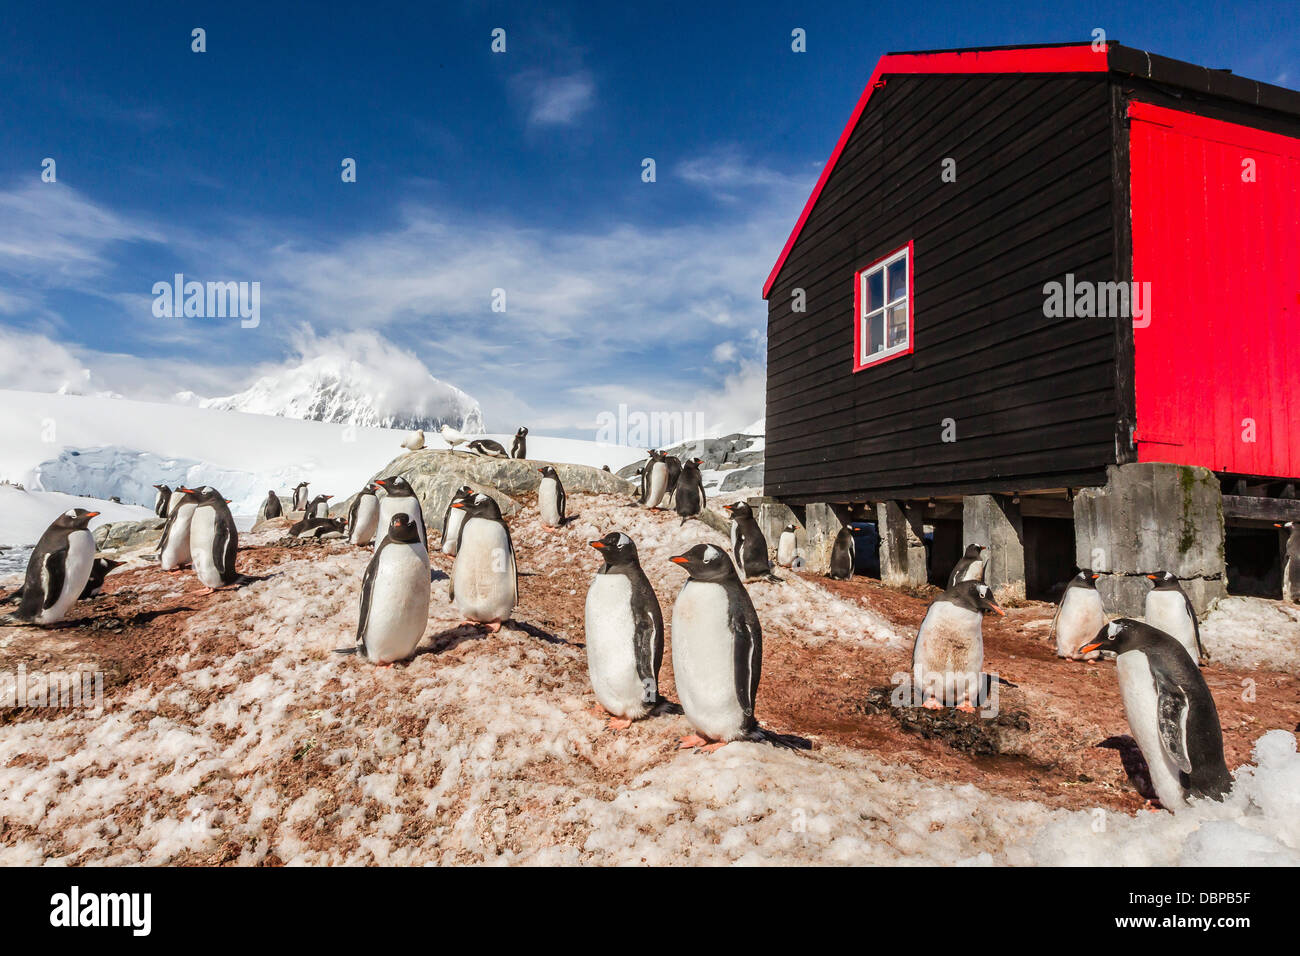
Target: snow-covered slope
396	392
24	514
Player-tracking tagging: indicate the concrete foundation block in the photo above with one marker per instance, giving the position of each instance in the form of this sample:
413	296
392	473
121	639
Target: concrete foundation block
902	544
816	526
994	521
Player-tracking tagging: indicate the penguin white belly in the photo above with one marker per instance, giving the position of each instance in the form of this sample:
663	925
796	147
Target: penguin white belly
363	532
484	572
548	499
704	664
453	528
611	648
177	551
1080	619
1167	611
974	572
785	549
658	485
1138	690
399	603
76	572
949	654
157	503
203	536
322	510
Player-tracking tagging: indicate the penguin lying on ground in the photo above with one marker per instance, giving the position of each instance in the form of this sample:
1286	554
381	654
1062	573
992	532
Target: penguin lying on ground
970	567
625	634
689	501
843	553
394	595
550	498
270	507
718	653
58	569
1291	563
319	507
401	497
787	546
1170	710
363	516
161	500
484	584
519	447
174	549
488	448
948	656
214	541
318	528
1169	609
1078	617
452	519
99	569
748	545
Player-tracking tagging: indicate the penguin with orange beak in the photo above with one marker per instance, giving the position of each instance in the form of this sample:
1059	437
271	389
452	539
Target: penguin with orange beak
400	498
1079	615
58	569
625	633
550	498
948	656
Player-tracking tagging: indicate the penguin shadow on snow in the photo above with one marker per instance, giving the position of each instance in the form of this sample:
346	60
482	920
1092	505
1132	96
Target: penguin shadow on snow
1134	763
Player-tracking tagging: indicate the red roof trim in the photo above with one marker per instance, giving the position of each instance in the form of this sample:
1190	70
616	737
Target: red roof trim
1057	59
1220	131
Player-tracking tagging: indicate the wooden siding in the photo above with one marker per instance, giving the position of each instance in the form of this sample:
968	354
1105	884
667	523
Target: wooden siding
1034	399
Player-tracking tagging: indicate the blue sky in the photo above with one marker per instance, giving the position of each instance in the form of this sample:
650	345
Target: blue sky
476	171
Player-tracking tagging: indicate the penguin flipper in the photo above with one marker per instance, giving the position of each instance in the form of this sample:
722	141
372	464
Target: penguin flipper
1171	718
367	584
226	547
647	638
781	741
55	568
1196	627
747	649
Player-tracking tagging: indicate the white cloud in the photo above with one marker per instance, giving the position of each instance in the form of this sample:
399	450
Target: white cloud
556	100
727	172
34	362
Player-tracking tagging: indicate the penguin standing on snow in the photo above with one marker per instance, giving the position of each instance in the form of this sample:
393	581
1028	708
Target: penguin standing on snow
843	553
58	569
1169	609
787	546
488	448
690	499
1170	710
319	507
161	500
519	447
948	656
394	595
452	519
213	539
401	498
300	496
748	545
270	507
1079	616
655	480
625	634
484	583
174	549
1291	563
363	516
99	570
970	567
550	498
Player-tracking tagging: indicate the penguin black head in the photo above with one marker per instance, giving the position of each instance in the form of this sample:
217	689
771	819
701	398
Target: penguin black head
974	596
1288	525
165	488
616	548
706	562
479	506
740	510
396	486
1164	581
790	528
1123	635
548	472
973	551
202	494
75	518
521	432
402	528
370	488
1086	578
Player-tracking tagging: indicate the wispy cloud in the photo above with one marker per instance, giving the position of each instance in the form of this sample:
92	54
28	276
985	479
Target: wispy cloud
556	100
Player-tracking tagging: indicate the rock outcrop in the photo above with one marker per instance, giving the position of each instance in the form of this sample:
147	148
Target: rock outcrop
120	536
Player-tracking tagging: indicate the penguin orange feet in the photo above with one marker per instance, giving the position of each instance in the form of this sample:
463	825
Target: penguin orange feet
492	626
932	704
619	723
710	748
691	741
965	707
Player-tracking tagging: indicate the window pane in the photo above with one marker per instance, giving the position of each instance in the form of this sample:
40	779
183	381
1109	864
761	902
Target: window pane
874	339
898	279
897	324
874	293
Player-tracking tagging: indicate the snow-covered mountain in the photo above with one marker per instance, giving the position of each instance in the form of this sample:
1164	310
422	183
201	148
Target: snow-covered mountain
386	390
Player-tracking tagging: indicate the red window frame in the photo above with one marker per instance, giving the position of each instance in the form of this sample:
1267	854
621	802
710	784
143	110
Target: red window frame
871	362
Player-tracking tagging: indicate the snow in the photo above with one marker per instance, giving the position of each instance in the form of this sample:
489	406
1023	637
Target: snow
1249	633
24	514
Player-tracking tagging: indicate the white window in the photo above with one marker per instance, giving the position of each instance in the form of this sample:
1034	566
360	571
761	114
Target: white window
884	309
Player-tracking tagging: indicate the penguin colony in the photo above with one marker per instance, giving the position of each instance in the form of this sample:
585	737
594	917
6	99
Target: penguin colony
717	637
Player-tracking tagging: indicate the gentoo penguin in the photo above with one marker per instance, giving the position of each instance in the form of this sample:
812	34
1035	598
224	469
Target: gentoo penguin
452	519
271	507
970	567
625	633
99	569
319	507
690	499
1079	616
58	569
1291	563
452	437
363	516
1169	709
161	500
1169	609
787	546
400	497
519	447
300	496
394	595
949	652
748	546
488	448
550	498
674	474
414	441
717	650
174	549
318	528
843	553
213	539
484	584
656	480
